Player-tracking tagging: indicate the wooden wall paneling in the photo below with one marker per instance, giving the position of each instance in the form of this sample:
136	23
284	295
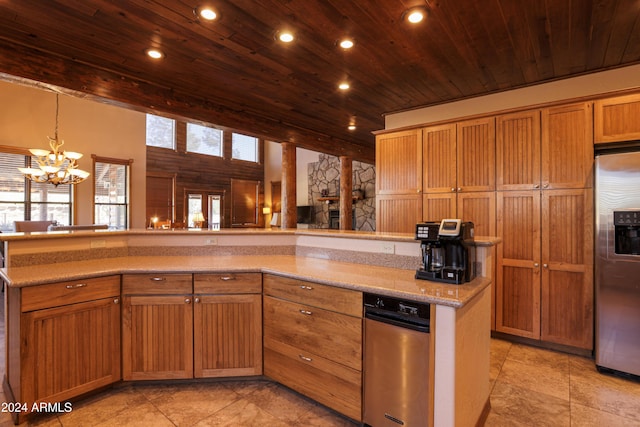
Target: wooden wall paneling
567	146
476	155
567	256
398	213
439	159
518	151
617	119
399	163
518	259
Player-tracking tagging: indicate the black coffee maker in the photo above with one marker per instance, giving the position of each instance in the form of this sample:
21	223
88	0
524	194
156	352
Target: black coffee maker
448	251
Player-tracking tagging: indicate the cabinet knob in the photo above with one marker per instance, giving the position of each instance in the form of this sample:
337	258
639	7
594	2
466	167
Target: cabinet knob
116	300
76	286
307	312
453	190
546	185
545	265
536	186
535	264
187	300
459	188
305	358
197	300
305	287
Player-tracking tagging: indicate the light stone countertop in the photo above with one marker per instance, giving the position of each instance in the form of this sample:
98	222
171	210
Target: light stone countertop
393	282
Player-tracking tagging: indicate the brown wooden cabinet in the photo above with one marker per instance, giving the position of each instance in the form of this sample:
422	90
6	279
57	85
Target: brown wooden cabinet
617	119
227	324
313	341
543	281
157	326
185	326
398	181
459	173
63	339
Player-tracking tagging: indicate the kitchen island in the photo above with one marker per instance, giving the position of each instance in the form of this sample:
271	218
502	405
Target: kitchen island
460	330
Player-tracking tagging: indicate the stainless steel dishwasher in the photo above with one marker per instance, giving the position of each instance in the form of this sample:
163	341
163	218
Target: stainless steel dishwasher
396	362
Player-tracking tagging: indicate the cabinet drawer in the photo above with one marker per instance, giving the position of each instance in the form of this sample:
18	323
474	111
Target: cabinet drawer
332	335
229	283
324	381
157	284
323	296
71	292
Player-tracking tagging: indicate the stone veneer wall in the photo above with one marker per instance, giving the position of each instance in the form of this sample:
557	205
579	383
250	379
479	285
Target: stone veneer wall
325	175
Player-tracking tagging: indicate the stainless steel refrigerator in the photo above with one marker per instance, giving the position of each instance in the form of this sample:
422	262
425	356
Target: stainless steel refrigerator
617	262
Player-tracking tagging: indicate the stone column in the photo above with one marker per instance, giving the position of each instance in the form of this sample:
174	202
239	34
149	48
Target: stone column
346	193
289	215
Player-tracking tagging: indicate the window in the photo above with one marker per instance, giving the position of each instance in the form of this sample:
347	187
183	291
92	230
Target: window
204	140
111	199
244	147
161	132
23	200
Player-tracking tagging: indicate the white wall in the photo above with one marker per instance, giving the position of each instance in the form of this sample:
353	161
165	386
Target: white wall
27	117
583	86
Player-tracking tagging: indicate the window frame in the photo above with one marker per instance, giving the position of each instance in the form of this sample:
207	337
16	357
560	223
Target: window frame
114	161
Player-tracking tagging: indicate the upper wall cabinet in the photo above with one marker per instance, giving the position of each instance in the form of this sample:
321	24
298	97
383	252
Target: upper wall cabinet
476	146
518	151
399	162
567	150
617	119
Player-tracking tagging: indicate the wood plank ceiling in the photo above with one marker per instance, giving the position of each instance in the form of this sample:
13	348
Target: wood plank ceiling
233	73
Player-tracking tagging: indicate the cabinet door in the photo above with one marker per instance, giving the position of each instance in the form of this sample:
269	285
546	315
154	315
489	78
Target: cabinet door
227	335
518	272
617	119
476	155
518	151
438	206
399	213
70	350
567	148
567	274
439	157
479	208
157	337
399	163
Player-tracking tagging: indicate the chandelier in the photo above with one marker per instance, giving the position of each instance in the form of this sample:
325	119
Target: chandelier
55	166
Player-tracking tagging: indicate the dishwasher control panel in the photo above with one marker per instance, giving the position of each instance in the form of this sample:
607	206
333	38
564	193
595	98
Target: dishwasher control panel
394	307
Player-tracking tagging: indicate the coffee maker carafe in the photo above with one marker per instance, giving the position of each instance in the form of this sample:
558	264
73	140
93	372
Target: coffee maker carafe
448	251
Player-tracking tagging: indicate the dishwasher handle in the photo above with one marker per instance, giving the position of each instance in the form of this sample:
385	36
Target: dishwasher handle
388	318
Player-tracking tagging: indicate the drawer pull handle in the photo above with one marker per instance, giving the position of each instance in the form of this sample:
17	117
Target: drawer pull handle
306	287
305	358
158	279
76	286
226	278
307	312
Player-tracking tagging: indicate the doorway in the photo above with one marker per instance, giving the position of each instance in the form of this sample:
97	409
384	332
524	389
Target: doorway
204	209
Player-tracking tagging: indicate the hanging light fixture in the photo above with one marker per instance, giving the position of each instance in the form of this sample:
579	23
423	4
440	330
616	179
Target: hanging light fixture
55	166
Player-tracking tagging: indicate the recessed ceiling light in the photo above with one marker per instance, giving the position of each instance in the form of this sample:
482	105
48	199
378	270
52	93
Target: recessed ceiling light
343	86
415	15
285	36
206	13
154	53
351	127
346	43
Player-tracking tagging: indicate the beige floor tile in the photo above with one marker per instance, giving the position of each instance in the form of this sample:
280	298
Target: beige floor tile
583	416
539	357
321	417
144	415
513	405
241	413
540	379
499	351
281	402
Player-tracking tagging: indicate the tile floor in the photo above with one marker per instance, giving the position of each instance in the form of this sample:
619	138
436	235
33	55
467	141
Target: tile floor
530	387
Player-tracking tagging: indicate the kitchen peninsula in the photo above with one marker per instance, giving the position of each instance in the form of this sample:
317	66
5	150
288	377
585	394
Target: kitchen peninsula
109	280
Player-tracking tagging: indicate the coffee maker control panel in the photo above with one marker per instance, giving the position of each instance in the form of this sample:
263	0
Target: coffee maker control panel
450	227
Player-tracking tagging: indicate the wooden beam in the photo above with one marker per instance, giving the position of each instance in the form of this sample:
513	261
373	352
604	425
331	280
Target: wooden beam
289	211
346	193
